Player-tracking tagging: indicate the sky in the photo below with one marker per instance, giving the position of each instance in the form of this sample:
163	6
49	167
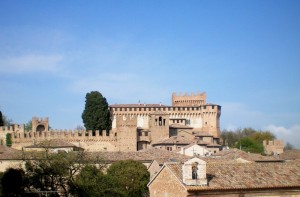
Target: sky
244	54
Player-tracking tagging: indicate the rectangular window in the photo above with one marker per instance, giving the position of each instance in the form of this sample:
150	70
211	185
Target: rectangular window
146	133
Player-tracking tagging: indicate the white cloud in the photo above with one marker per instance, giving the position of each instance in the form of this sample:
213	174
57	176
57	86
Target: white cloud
31	63
291	134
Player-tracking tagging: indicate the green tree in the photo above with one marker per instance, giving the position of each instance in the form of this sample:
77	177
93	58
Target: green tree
132	177
91	181
96	115
56	172
13	182
250	145
28	126
8	140
1	119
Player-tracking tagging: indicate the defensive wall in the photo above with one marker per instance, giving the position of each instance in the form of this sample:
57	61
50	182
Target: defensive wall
134	126
273	147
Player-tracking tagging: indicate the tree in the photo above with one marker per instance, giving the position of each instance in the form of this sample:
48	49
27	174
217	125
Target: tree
8	139
132	177
91	181
4	121
28	126
56	172
96	115
13	182
250	145
1	119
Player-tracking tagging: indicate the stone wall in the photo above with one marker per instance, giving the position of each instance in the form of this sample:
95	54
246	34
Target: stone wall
273	147
166	184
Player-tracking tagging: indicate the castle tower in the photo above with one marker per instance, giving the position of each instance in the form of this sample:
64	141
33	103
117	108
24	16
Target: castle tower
40	124
189	100
127	132
159	126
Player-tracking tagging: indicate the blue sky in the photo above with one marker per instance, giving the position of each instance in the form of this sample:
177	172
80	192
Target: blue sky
244	54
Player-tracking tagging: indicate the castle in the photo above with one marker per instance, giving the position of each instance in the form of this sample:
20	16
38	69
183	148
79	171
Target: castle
134	126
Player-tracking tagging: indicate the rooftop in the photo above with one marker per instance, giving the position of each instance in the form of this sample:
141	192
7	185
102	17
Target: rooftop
223	176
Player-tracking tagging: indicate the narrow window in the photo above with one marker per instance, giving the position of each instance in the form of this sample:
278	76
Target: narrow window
194	171
160	121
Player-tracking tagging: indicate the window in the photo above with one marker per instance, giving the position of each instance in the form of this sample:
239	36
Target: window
140	133
160	121
194	170
146	133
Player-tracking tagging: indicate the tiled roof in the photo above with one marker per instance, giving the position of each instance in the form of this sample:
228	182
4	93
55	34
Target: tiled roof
179	126
9	153
181	140
138	105
53	143
223	176
236	153
144	155
290	154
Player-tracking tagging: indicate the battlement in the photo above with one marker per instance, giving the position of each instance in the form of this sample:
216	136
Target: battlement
273	146
15	127
189	100
36	119
68	135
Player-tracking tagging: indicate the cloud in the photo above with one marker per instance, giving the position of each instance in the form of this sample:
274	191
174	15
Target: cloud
291	134
31	63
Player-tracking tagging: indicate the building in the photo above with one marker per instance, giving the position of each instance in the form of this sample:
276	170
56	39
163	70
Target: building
195	177
134	126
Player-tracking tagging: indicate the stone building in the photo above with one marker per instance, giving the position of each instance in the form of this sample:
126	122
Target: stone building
273	147
134	126
195	177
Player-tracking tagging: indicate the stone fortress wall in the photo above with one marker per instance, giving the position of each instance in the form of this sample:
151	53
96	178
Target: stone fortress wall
134	126
273	147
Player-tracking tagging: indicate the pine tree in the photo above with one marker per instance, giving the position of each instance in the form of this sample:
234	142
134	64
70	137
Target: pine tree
96	115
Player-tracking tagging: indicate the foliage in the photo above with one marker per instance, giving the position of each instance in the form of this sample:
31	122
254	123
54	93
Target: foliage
288	146
96	115
56	172
6	121
250	145
132	177
8	139
28	126
92	182
251	140
1	119
13	182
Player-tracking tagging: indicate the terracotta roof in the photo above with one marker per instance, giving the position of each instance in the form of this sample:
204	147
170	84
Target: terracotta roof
290	154
144	155
181	140
202	134
53	143
138	105
9	153
224	176
236	153
179	126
